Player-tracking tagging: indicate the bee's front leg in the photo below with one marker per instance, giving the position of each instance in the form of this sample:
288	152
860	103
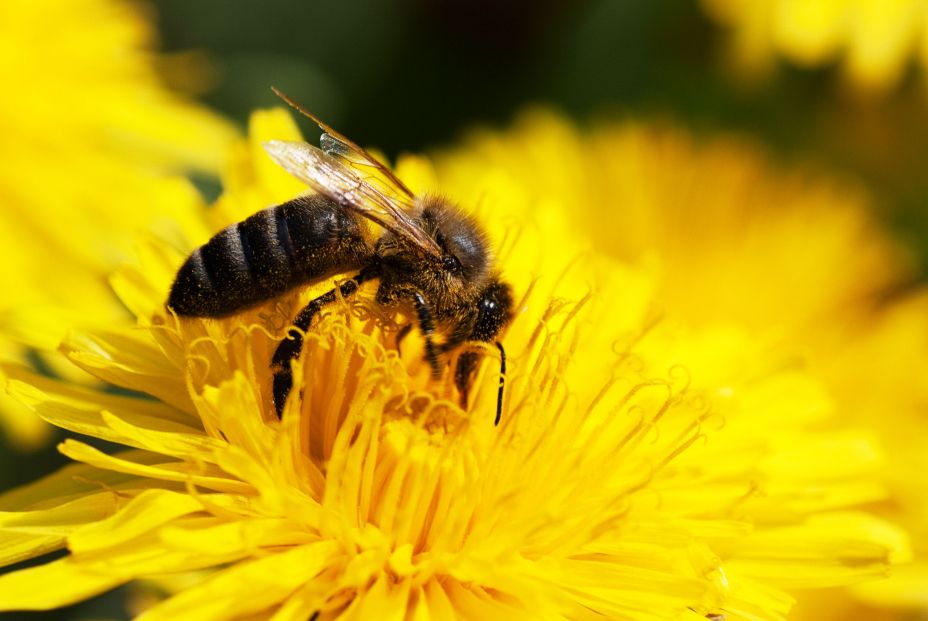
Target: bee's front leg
493	313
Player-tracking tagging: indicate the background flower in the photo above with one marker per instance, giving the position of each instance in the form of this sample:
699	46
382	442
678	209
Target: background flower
874	41
791	257
90	139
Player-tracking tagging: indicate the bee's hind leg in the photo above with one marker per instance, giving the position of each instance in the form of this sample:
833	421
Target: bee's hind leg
290	347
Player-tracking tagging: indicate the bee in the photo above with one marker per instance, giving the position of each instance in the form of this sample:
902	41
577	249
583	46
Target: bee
427	256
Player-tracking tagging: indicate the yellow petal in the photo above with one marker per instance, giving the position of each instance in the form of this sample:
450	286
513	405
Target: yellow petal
83	416
71	482
16	547
62	519
27	432
905	588
53	585
211	478
246	588
147	511
384	600
827	550
126	358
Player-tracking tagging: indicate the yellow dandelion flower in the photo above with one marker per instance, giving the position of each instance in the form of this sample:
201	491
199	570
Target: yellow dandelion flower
807	266
874	39
794	259
89	134
884	350
642	469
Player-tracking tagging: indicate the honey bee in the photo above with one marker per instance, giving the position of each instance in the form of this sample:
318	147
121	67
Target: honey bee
428	256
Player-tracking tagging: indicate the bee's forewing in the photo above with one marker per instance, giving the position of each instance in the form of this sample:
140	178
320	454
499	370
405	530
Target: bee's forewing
374	197
340	146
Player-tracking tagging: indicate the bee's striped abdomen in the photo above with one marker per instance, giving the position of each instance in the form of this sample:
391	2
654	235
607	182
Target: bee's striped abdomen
263	256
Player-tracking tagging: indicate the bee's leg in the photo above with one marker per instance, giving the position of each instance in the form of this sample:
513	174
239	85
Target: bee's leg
494	311
427	328
502	383
463	375
401	334
290	347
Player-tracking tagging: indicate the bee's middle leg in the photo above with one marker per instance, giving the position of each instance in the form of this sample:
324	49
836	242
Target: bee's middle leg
401	335
427	328
290	347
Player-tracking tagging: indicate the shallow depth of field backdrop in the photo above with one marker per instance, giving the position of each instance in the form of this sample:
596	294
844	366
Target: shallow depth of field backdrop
416	74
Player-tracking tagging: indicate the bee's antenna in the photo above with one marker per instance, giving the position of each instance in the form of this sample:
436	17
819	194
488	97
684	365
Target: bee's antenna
502	382
290	102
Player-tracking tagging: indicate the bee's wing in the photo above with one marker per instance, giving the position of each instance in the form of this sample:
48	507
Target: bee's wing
370	195
339	146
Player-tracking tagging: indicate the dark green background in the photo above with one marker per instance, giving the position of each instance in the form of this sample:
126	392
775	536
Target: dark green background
407	75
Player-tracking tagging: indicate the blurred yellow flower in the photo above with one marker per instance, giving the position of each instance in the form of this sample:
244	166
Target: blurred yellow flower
89	134
885	351
792	258
643	469
875	39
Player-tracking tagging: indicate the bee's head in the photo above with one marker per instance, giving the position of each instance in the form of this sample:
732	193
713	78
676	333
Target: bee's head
463	267
465	253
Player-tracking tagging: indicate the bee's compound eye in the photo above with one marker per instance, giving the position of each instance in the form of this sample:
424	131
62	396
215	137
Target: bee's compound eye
450	263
